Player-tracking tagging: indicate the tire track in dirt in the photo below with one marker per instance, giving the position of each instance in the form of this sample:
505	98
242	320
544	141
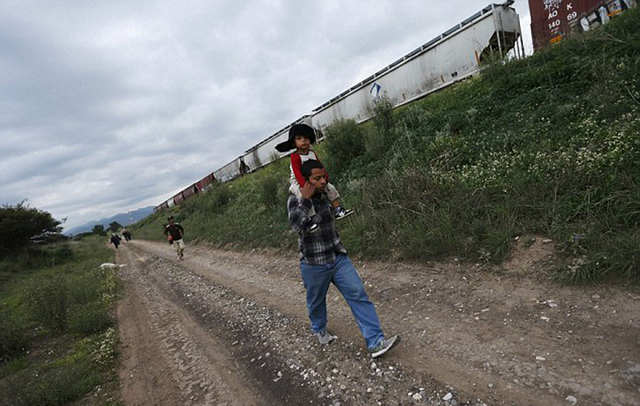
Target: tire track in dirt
181	349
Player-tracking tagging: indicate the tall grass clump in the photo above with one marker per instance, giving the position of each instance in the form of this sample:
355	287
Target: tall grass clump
46	300
547	145
13	334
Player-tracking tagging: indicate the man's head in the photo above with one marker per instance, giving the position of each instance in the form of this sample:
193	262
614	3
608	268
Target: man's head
171	220
313	172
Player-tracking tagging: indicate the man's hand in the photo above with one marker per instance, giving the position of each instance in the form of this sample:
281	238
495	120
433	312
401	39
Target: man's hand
308	190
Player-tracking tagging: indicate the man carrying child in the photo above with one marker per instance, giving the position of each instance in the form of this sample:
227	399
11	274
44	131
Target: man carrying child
323	260
301	136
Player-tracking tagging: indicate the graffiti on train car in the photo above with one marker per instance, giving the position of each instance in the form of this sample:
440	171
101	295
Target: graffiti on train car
553	20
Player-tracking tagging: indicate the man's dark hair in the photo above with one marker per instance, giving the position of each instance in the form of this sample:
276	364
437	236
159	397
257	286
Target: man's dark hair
170	218
309	166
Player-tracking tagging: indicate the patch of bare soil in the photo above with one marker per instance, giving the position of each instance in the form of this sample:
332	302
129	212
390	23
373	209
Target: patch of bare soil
229	328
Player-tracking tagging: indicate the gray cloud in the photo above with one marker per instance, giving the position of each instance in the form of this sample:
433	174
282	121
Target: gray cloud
106	107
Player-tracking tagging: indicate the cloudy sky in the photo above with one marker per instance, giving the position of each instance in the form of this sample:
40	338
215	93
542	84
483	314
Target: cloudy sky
108	106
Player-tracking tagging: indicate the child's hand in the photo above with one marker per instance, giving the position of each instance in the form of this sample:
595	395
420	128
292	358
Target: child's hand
308	190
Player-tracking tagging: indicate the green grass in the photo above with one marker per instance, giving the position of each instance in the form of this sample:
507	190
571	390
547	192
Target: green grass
547	146
56	331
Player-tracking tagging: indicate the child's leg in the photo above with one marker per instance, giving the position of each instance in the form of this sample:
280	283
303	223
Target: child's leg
333	195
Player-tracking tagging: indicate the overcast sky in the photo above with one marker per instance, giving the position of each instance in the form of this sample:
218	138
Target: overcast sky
109	106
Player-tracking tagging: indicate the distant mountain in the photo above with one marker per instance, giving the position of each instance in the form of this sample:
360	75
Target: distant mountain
123	218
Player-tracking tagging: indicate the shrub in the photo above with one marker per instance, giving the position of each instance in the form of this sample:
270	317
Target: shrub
46	301
383	116
218	197
345	142
89	318
271	187
12	335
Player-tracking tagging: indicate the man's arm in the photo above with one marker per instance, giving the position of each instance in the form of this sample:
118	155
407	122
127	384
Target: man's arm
298	212
181	230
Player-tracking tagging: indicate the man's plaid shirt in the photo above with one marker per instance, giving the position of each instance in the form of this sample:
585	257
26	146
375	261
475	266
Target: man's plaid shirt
321	247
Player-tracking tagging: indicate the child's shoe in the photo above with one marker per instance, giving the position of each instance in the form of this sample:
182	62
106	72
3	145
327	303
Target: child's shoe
339	213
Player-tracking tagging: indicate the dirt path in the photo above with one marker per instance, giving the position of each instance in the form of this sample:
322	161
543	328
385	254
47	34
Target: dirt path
228	328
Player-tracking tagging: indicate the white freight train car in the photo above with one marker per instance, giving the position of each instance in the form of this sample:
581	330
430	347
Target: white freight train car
452	56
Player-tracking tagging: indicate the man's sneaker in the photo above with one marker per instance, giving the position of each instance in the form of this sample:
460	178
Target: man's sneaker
324	337
384	346
313	227
341	213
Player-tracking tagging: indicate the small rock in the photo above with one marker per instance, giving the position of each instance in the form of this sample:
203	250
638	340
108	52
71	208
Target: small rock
544	318
491	386
539	358
571	399
595	297
416	396
448	396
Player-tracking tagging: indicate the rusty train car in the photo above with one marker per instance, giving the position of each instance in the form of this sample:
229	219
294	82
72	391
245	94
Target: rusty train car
452	56
553	20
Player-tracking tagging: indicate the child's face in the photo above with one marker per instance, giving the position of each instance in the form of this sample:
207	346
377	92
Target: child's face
302	143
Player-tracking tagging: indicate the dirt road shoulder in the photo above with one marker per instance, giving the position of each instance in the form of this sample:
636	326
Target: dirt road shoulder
483	338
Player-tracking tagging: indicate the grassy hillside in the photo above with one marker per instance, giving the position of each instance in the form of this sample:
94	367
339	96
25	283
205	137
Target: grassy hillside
546	146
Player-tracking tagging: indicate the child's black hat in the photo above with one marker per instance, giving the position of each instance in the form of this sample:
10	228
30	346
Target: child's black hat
297	129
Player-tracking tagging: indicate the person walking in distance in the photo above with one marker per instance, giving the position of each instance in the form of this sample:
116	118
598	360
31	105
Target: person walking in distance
323	260
126	234
115	240
174	233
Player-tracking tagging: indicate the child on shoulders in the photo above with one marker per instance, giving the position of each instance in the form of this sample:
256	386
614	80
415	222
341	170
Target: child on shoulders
301	136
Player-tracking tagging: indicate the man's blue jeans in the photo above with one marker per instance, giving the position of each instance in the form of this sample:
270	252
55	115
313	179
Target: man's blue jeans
344	276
